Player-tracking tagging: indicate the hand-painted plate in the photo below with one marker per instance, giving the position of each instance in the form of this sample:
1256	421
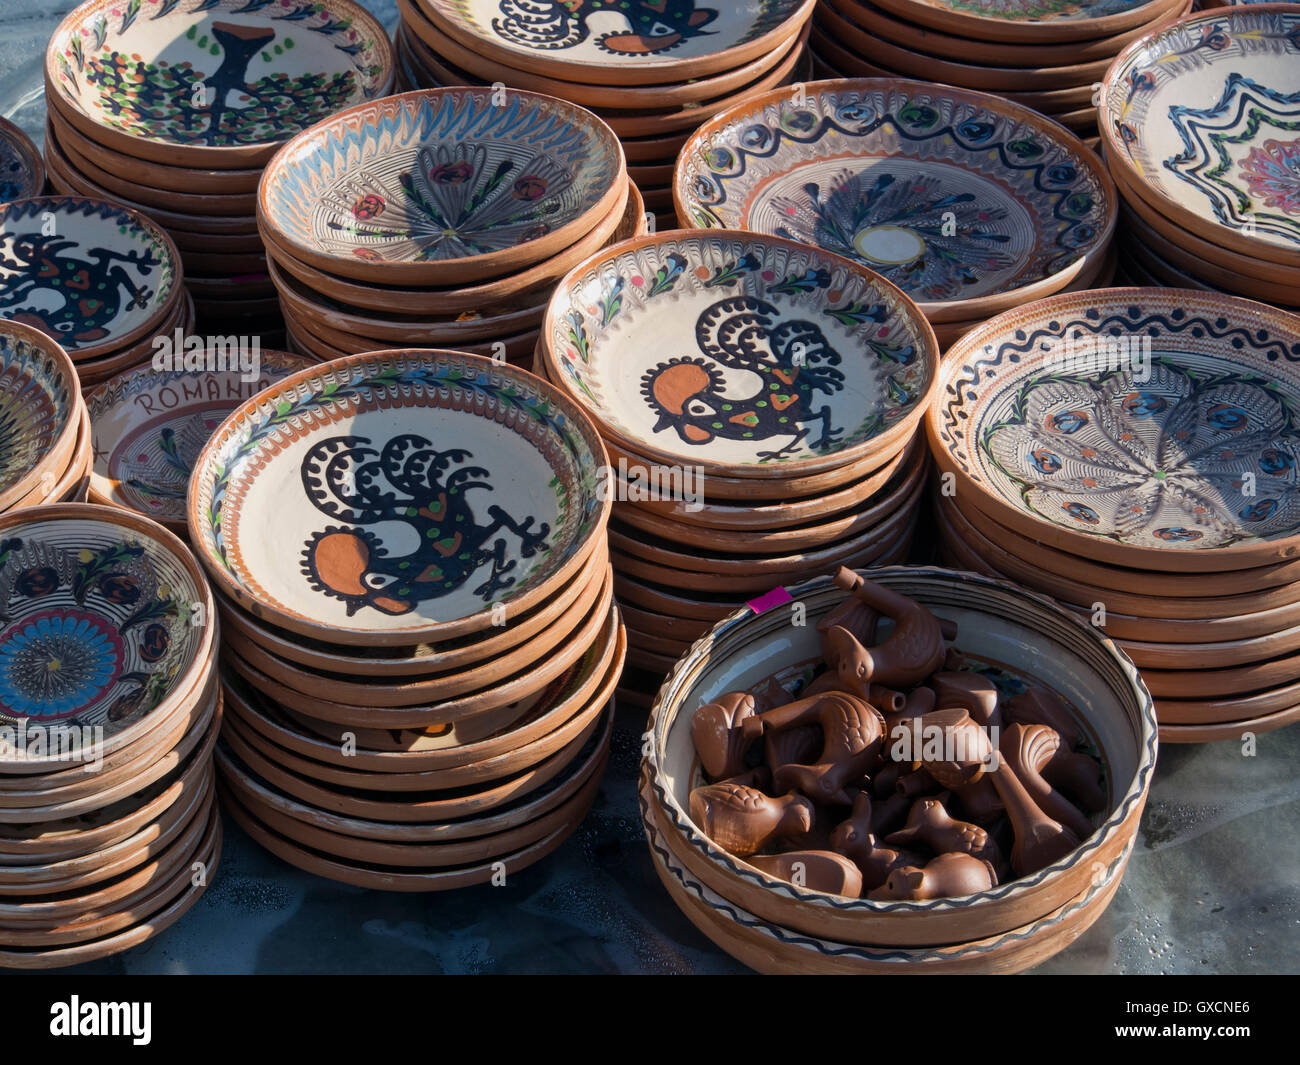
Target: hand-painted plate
39	398
93	275
184	81
22	174
746	355
620	42
1052	21
397	497
954	196
104	619
1151	428
1204	118
149	426
443	186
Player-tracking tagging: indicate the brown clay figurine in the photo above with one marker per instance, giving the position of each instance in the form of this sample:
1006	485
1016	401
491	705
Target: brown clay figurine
1078	776
946	876
855	616
947	744
930	824
1040	840
912	651
971	692
1025	750
742	821
886	700
722	732
979	801
854	839
852	735
916	784
815	870
920	701
1037	706
800	744
759	777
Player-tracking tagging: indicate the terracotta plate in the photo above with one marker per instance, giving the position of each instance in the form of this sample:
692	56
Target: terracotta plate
38	410
1030	20
397	497
1153	428
744	355
22	174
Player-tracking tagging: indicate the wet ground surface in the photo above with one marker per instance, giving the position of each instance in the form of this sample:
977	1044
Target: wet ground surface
1211	887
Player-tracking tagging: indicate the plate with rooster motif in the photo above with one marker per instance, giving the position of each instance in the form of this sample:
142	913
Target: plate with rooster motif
1024	21
105	621
620	42
1202	119
967	202
212	83
740	354
39	416
93	275
443	186
22	174
1151	428
148	427
398	497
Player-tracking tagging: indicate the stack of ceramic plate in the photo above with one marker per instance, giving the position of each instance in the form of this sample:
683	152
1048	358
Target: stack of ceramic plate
650	70
439	217
420	647
1195	120
1133	453
109	713
174	109
46	430
22	174
149	425
968	203
1046	56
758	399
99	278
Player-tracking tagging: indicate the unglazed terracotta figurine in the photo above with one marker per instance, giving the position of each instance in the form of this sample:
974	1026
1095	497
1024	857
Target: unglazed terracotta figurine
971	692
722	732
912	651
852	734
979	801
886	700
815	870
854	839
759	777
920	701
856	617
1025	750
946	876
1040	840
742	821
930	824
947	744
1079	776
1037	706
797	745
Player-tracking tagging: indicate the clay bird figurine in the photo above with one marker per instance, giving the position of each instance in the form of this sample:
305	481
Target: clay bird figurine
722	732
742	821
972	692
815	870
930	824
944	877
910	653
1025	750
854	839
852	735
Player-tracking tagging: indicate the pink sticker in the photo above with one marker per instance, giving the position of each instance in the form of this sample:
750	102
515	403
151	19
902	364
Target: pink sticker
768	600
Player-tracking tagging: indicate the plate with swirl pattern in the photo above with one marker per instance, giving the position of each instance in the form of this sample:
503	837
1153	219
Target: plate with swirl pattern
1151	428
39	410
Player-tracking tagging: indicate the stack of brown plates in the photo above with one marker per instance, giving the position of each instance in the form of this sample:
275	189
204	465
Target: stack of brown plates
653	73
758	399
1050	62
100	279
438	218
109	713
175	110
1132	453
420	646
47	445
1190	117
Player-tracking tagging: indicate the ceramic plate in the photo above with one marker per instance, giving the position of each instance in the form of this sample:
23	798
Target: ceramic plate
1155	428
101	620
150	425
748	355
22	174
38	408
443	186
1029	20
952	195
1205	115
397	497
260	70
91	274
632	42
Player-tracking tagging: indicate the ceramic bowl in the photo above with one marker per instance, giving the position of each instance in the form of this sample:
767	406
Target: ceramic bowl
375	539
642	44
1194	115
443	185
1033	207
1160	487
22	174
1028	638
842	361
1025	21
126	75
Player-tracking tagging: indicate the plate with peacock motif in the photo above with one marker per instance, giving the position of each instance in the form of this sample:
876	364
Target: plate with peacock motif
443	186
968	203
741	354
1202	118
398	497
148	426
216	83
1150	428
